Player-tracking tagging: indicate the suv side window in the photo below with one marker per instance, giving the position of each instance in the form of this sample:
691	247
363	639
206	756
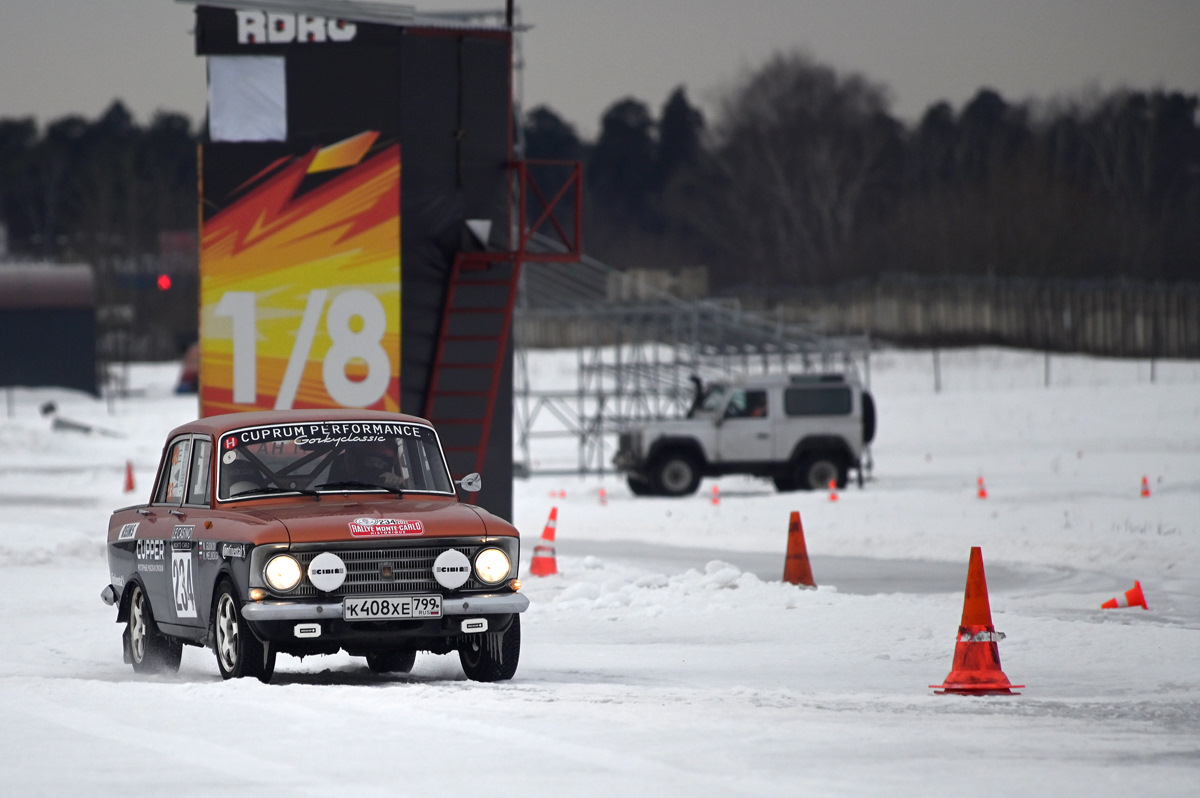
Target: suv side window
817	401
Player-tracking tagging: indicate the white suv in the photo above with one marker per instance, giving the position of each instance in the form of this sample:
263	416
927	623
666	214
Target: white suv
803	431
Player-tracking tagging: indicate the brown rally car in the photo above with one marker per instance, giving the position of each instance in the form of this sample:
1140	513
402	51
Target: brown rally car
310	532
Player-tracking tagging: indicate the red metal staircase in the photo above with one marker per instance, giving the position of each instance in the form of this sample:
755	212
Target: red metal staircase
473	346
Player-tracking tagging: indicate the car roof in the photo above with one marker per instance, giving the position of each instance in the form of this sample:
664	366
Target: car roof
216	425
799	380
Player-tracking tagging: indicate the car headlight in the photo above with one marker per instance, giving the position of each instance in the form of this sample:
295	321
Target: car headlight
282	572
491	566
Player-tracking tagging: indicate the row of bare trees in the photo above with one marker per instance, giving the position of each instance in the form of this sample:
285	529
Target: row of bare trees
803	177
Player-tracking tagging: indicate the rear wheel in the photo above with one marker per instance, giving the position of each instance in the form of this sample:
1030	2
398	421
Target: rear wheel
400	661
818	470
239	652
676	474
149	651
492	656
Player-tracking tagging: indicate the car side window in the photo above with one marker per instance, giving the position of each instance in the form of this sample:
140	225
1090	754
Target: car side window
171	480
817	401
199	483
747	404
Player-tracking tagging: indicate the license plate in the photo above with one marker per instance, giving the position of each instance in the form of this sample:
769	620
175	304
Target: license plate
391	608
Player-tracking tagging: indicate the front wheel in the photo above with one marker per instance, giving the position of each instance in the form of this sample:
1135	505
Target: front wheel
239	652
492	656
147	649
676	474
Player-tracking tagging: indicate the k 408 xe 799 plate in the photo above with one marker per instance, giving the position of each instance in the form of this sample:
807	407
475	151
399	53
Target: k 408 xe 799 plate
391	608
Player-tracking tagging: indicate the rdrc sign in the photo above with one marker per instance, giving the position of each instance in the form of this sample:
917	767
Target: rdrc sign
263	27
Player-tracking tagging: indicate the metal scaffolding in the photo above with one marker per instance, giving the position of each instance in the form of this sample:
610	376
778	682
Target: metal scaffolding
635	361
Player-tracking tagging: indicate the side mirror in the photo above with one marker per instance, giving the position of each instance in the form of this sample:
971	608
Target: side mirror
471	483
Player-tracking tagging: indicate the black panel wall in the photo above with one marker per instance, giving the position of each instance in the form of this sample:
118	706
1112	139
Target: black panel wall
445	94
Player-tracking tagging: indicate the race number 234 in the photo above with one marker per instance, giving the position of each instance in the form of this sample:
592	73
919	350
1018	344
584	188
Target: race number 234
346	344
182	585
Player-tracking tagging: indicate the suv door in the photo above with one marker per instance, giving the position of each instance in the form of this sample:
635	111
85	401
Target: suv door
744	433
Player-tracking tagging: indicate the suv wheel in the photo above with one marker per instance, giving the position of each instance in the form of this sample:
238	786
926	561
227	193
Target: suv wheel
816	471
676	474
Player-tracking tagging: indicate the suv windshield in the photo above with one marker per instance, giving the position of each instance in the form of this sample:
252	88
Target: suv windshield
331	457
712	401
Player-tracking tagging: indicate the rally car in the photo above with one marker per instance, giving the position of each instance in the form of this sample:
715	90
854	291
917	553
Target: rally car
309	532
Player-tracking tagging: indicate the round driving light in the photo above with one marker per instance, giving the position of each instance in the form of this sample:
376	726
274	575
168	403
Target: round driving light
491	566
327	572
282	572
452	569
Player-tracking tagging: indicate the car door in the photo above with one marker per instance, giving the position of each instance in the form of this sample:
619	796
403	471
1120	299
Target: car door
745	431
154	552
167	556
194	556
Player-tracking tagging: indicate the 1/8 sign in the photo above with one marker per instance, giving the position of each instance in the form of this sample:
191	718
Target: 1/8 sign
346	345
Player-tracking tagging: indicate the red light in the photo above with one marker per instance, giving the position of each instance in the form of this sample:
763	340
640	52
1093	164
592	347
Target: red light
164	282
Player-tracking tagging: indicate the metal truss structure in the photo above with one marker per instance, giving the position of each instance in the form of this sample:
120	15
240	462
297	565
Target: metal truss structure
636	361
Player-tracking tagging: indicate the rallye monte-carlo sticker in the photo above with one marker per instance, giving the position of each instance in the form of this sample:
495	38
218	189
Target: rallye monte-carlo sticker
382	527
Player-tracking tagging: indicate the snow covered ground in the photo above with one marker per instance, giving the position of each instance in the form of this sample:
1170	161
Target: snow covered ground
667	658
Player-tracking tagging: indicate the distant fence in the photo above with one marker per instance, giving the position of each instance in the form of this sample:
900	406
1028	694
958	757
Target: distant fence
1117	319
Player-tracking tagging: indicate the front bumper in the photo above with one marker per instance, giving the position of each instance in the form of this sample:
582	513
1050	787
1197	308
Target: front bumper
477	604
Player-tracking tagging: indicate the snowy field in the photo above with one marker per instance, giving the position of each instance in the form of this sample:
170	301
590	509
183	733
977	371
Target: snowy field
667	658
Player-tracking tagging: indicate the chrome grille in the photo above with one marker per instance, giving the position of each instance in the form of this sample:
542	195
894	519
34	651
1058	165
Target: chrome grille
367	571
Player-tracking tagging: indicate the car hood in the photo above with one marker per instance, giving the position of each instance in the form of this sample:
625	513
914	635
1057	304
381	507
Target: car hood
676	426
383	521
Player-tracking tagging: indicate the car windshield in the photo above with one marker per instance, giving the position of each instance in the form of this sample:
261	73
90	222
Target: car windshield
330	457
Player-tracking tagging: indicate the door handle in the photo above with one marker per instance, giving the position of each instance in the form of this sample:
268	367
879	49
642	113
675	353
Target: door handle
763	435
177	513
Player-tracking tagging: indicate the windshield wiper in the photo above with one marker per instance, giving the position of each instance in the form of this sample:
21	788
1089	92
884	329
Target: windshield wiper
357	485
272	489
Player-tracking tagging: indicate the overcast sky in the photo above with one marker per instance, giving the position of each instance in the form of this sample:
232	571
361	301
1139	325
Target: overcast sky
66	56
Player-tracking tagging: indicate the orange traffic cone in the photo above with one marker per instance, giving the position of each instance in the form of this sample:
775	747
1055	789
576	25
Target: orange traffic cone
833	490
1133	597
603	496
982	493
716	496
796	568
544	562
976	668
129	476
1145	488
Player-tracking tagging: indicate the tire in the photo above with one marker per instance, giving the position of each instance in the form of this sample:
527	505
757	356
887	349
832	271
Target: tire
239	652
639	487
675	474
398	661
492	657
149	651
818	470
868	417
